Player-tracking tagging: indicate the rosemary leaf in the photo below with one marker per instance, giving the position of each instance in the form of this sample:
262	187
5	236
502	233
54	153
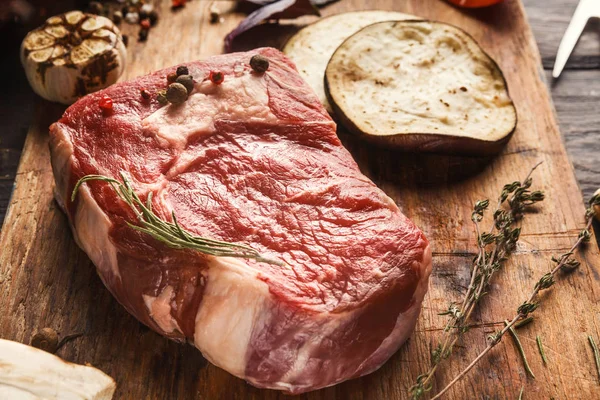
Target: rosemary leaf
170	233
521	392
538	339
523	322
513	333
596	354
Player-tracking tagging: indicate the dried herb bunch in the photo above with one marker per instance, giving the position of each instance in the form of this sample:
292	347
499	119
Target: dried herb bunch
494	247
565	263
170	233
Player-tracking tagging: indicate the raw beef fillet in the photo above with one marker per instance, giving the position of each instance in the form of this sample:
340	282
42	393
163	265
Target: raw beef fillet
254	161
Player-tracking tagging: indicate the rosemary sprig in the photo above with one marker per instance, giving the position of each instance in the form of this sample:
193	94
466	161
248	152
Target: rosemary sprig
596	354
514	335
170	233
495	247
564	263
538	339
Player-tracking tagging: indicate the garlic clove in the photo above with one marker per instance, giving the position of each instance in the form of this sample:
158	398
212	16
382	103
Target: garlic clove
38	40
41	55
95	23
57	31
73	54
30	373
74	17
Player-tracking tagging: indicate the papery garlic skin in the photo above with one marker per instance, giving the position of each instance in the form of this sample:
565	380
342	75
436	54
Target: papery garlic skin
30	373
73	54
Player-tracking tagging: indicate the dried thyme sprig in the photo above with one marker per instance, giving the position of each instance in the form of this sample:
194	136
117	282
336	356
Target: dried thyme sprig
495	247
170	233
564	263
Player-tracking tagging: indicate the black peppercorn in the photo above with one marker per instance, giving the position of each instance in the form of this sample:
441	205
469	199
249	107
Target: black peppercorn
143	35
259	63
153	17
177	93
143	14
125	39
182	70
187	81
95	7
145	94
117	17
46	339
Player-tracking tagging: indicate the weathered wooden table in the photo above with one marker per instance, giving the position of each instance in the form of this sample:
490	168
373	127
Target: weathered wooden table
576	95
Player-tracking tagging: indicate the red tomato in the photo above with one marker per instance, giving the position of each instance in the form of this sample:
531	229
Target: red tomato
474	3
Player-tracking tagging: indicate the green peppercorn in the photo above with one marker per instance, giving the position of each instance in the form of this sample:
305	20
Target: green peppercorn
162	97
259	63
177	93
187	81
172	77
182	70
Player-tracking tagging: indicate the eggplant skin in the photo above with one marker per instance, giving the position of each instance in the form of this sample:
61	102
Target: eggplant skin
424	140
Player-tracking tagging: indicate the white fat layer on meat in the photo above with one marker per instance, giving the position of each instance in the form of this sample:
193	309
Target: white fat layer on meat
159	309
234	300
238	98
327	326
92	228
61	165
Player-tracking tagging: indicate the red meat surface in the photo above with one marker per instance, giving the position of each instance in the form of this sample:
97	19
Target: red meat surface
254	161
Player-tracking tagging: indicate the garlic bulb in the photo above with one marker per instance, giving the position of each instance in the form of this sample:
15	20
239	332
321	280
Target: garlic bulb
597	207
73	54
30	373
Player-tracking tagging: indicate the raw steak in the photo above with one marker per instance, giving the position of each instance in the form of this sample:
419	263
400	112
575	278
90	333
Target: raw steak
256	161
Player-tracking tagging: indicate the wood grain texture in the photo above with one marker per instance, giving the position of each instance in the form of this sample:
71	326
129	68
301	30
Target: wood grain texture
47	281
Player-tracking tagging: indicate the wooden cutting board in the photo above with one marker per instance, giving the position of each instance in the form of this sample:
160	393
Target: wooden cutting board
46	281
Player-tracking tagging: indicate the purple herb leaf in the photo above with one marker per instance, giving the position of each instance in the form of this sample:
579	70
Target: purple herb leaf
260	2
318	3
282	9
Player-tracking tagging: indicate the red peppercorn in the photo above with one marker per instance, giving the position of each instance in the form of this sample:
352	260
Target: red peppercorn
177	3
145	23
216	77
145	94
172	77
106	104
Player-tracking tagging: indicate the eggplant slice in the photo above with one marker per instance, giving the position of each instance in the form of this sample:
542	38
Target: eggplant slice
420	86
312	46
